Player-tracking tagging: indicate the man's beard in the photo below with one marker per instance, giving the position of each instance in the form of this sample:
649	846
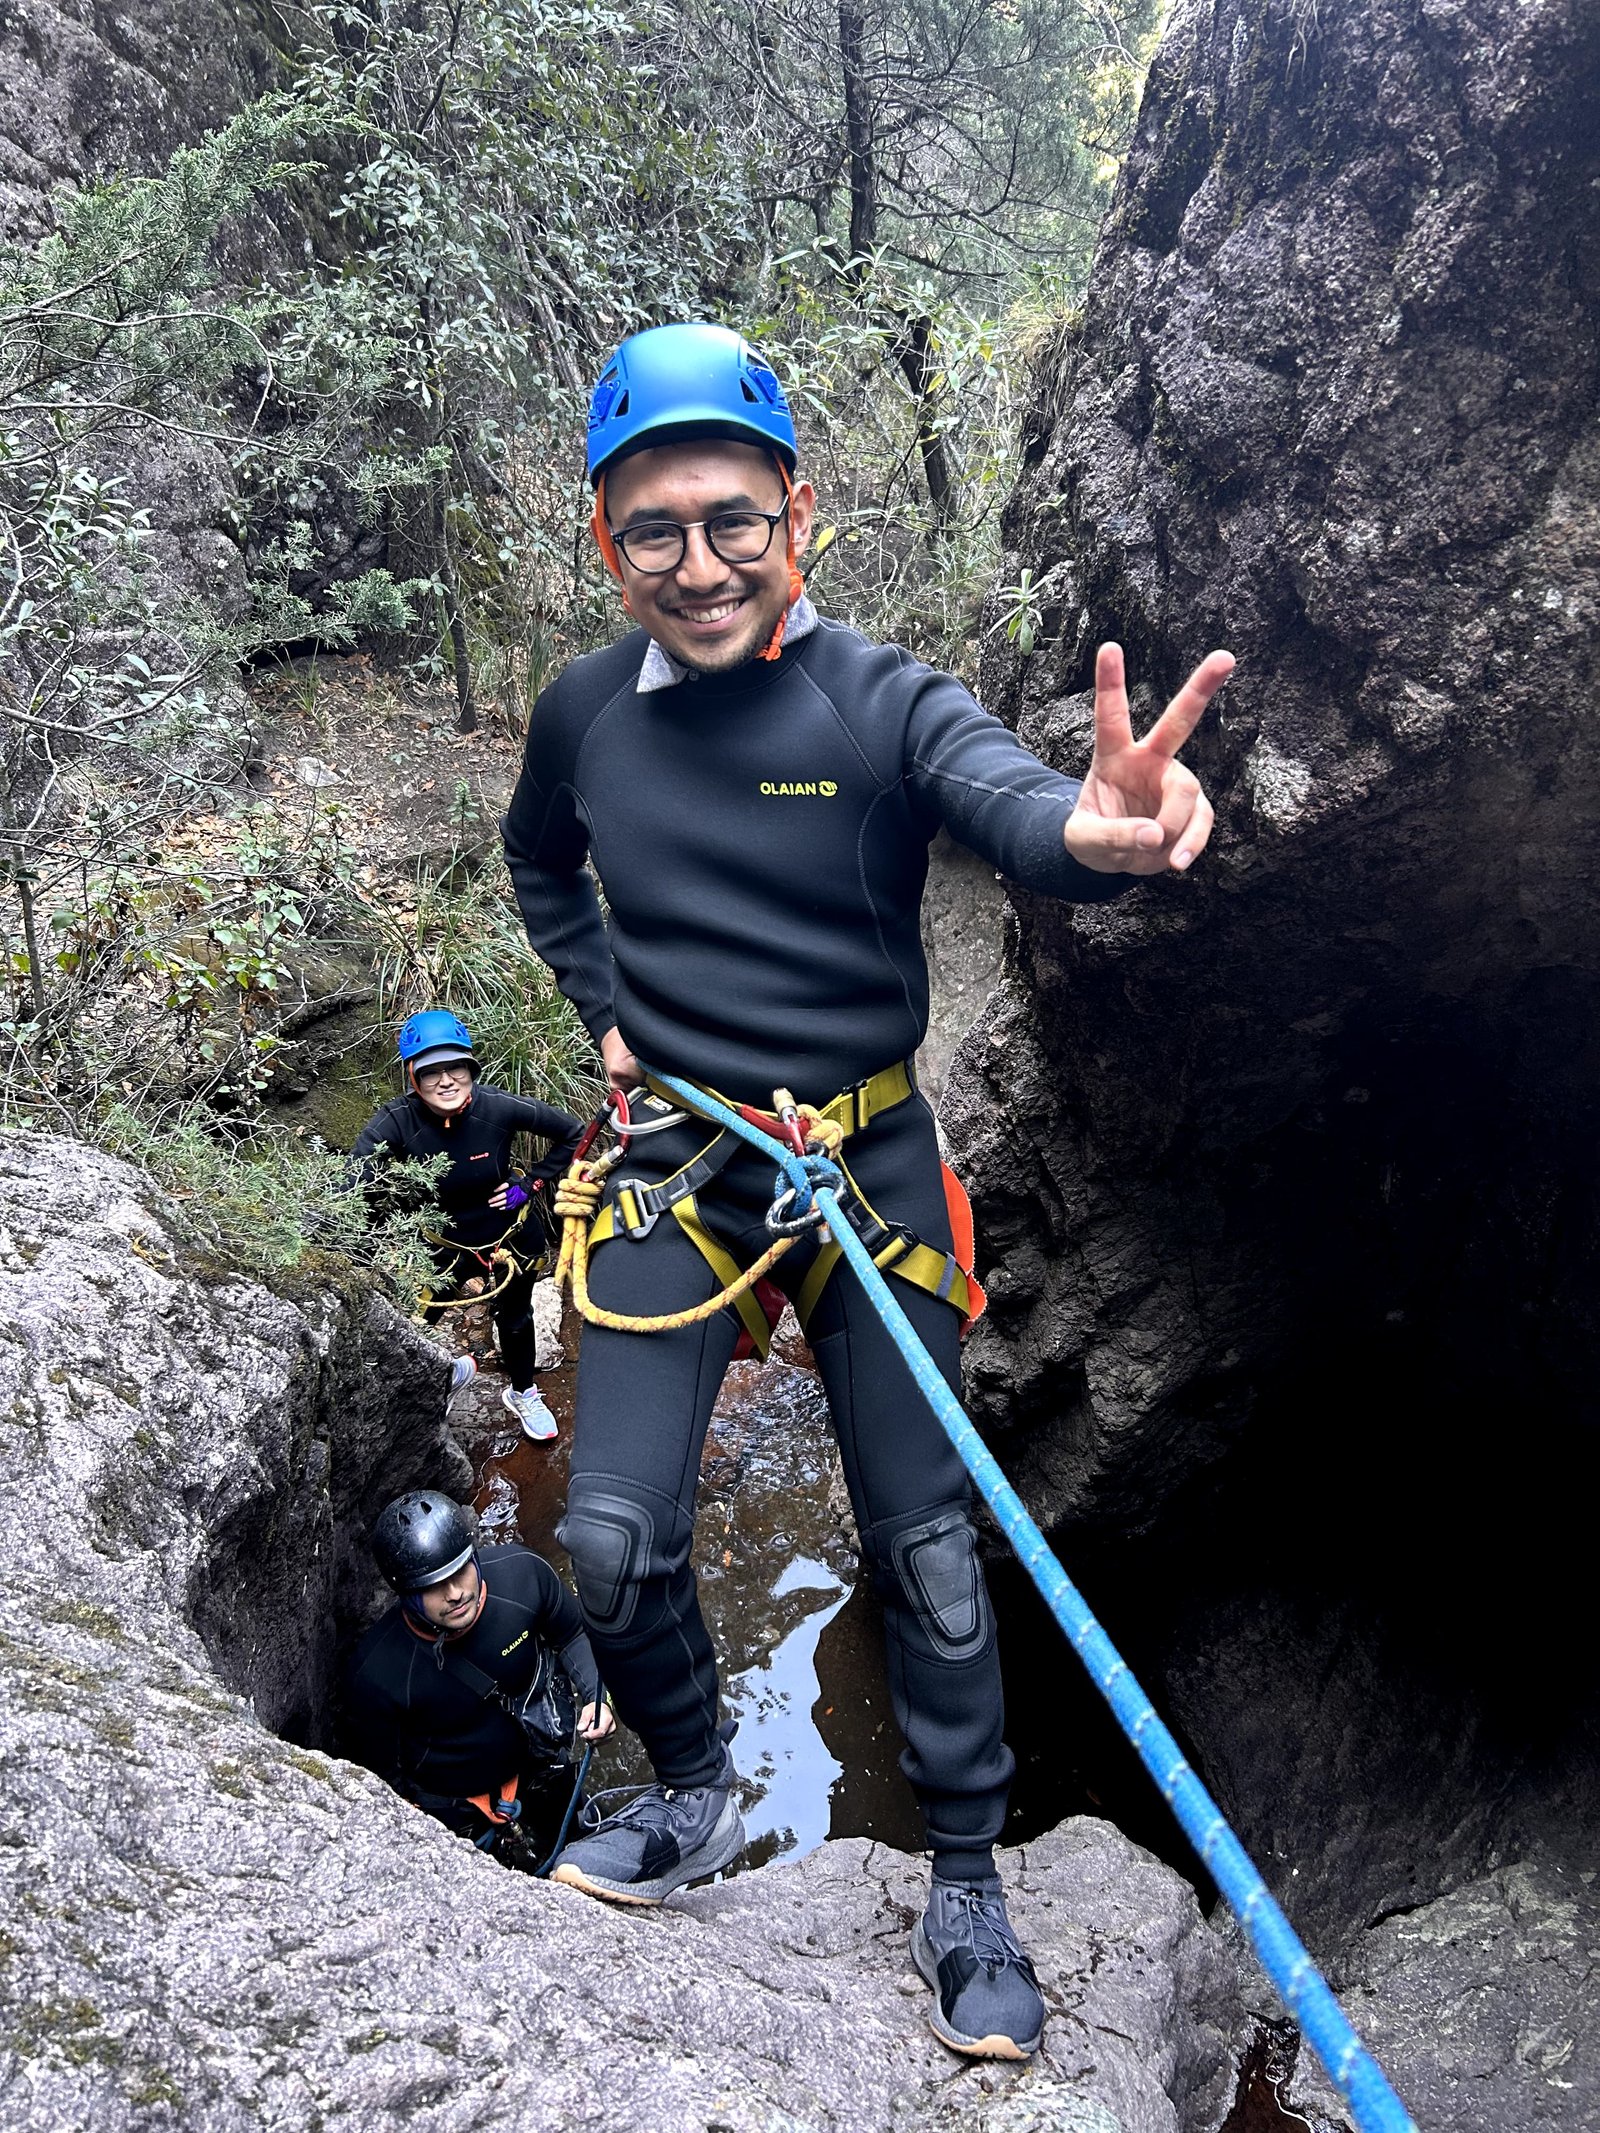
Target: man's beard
726	659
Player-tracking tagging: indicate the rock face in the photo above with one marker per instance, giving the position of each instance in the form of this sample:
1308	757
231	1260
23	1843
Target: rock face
962	916
1332	404
189	1462
85	91
1286	1171
1480	2006
211	1926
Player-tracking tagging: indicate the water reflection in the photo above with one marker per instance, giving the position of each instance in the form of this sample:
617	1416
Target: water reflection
782	1752
800	1646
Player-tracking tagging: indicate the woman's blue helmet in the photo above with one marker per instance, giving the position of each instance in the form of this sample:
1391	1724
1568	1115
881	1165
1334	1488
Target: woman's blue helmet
692	380
435	1038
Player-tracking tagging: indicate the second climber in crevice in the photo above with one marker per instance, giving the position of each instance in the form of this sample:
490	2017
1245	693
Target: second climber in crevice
494	1225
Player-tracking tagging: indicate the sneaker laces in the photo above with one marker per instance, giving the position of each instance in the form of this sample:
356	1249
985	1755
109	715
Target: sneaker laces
990	1934
641	1809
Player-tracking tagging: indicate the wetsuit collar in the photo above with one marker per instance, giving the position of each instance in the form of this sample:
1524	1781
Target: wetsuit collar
661	671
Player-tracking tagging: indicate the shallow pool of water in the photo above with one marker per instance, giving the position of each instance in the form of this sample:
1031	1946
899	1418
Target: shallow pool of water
799	1634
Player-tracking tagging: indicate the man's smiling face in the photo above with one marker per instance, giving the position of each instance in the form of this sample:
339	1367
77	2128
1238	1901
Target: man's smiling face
708	615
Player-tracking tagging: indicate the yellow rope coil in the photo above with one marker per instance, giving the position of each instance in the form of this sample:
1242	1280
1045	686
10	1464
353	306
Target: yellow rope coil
577	1203
499	1256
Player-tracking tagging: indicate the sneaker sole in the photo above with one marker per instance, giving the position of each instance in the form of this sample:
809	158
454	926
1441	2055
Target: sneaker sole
995	2046
717	1853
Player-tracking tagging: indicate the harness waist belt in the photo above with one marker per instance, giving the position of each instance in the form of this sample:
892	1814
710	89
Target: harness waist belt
853	1110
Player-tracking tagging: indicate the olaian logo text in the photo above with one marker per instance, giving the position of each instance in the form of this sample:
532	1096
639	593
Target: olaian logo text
817	789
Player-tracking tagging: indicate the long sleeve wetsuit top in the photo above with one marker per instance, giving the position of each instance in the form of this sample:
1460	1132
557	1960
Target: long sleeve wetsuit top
762	841
412	1715
478	1142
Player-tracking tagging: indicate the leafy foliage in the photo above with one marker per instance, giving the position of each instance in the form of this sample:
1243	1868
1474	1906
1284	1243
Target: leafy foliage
465	943
375	431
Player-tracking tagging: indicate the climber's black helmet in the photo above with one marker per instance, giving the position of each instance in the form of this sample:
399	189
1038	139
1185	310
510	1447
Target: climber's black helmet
420	1539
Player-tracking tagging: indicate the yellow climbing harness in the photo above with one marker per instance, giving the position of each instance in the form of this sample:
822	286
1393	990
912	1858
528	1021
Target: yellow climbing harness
489	1257
636	1207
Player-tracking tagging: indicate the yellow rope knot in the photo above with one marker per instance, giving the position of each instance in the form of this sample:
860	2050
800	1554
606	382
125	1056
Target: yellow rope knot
578	1195
824	1136
577	1202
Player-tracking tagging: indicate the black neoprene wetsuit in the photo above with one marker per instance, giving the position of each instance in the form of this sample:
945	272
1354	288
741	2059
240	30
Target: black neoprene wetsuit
478	1142
762	839
412	1715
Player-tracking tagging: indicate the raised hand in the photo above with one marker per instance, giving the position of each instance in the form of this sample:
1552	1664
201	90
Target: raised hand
1141	811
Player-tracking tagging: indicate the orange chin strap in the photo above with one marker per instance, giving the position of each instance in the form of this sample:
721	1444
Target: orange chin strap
603	541
797	584
613	562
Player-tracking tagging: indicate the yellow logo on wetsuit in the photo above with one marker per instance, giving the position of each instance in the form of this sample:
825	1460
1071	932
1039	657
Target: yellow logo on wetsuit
818	789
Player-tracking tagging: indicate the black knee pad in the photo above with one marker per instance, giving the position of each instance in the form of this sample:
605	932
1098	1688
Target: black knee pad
619	1543
934	1563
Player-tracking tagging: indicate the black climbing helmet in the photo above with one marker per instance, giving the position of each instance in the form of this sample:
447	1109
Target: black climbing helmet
421	1539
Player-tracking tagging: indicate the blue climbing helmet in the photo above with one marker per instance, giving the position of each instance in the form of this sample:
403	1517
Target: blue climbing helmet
435	1038
691	380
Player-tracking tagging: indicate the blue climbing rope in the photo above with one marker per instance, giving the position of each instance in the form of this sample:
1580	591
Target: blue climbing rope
813	1181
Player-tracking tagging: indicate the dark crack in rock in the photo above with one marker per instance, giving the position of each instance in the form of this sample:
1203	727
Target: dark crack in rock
1286	1172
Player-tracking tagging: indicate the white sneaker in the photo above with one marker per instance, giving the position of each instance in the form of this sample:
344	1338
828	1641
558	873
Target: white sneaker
529	1408
462	1372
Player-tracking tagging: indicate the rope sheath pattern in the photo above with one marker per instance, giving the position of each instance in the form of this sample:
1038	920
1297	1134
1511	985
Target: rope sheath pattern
1305	1992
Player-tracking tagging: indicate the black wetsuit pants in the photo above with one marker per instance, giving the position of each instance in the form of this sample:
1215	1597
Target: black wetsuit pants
512	1308
643	1405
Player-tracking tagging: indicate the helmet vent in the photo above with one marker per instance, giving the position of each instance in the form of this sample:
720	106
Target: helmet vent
745	388
621	407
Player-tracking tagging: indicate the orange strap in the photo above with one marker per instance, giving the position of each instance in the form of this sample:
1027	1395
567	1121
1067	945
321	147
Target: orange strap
963	1242
797	584
602	535
486	1806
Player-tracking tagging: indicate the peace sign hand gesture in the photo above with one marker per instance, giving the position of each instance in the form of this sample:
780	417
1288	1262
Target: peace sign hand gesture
1141	811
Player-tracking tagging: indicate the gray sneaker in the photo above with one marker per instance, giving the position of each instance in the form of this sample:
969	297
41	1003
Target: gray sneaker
530	1410
986	1998
659	1841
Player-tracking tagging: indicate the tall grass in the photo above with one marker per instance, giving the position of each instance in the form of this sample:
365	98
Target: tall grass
464	948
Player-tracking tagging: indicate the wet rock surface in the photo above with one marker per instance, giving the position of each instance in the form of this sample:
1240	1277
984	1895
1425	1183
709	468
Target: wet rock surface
212	1926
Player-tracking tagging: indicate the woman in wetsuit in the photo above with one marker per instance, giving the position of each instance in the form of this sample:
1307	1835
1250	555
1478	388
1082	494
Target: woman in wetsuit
489	1204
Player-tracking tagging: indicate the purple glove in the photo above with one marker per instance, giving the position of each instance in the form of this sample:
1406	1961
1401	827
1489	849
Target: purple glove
516	1196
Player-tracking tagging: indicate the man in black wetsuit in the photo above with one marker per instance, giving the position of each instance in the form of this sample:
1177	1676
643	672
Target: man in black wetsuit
435	1685
489	1204
757	789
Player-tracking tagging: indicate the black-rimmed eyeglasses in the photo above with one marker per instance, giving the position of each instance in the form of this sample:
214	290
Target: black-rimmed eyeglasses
659	545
